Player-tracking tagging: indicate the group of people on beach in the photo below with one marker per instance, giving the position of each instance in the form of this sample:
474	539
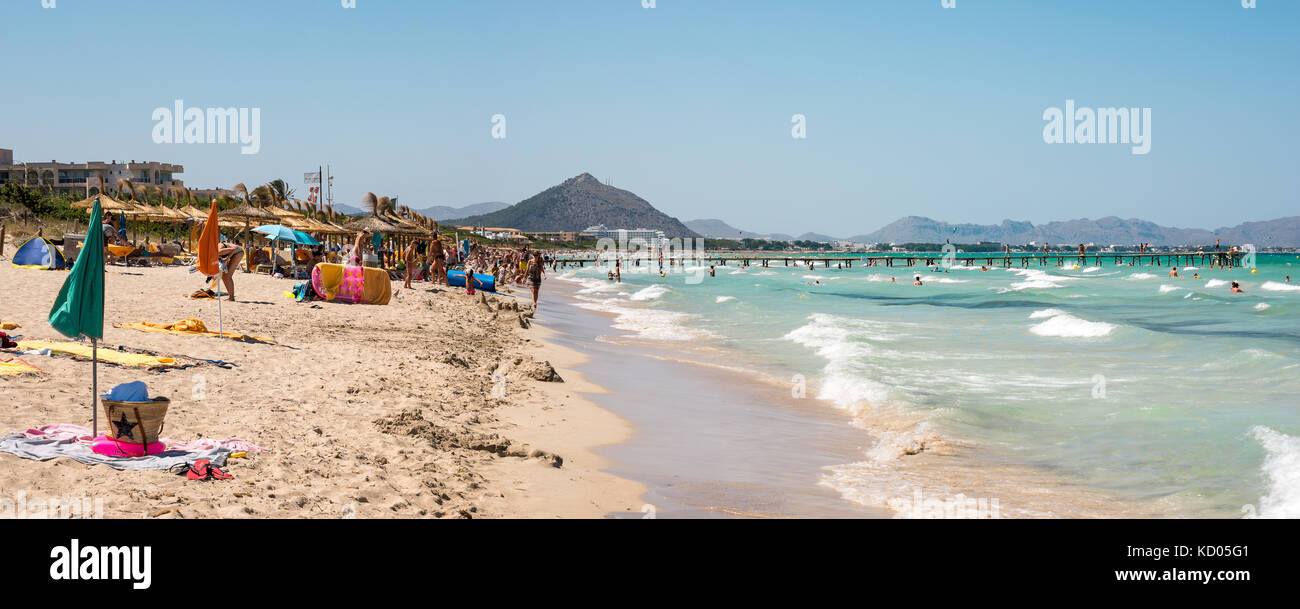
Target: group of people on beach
426	259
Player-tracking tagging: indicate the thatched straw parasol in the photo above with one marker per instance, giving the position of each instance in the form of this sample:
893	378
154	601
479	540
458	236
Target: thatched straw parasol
248	214
369	224
374	223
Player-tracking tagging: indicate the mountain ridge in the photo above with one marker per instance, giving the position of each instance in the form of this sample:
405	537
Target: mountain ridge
578	203
1110	230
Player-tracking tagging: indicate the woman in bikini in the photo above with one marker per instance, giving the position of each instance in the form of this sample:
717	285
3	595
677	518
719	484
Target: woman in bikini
439	262
230	255
410	257
536	272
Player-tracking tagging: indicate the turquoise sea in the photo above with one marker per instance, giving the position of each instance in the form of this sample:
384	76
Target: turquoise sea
1101	390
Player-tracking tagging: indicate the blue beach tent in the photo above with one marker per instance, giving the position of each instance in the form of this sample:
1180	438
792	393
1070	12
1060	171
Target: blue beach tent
38	253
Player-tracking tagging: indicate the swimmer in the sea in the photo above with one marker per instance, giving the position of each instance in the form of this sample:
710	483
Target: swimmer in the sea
1236	288
1196	275
1173	272
917	281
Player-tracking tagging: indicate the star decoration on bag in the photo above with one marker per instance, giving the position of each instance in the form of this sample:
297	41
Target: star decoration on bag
124	427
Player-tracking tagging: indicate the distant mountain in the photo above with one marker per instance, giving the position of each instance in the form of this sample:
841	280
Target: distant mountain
349	210
444	212
576	204
437	212
816	237
717	229
1105	231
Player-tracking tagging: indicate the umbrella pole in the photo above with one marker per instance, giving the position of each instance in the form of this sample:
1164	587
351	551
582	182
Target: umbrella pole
94	387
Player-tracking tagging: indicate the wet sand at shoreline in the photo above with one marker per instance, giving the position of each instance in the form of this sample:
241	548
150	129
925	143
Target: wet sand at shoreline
709	442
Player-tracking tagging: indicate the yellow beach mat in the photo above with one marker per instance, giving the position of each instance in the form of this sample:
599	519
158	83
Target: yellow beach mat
17	367
191	327
112	356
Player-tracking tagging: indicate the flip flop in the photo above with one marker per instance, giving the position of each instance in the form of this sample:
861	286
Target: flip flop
198	470
217	474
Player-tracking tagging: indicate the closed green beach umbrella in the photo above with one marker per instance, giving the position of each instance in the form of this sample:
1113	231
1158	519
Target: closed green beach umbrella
79	308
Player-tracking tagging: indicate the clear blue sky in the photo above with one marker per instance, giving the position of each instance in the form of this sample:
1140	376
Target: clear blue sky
912	109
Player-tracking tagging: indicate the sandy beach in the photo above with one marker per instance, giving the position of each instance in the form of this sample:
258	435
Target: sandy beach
439	405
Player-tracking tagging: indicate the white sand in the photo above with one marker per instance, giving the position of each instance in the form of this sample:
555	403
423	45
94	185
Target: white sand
365	410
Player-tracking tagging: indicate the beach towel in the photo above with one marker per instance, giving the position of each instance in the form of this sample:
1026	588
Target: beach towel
18	367
106	355
77	433
45	449
351	284
191	327
119	251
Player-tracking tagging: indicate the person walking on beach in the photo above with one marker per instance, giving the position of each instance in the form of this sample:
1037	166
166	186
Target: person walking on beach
535	274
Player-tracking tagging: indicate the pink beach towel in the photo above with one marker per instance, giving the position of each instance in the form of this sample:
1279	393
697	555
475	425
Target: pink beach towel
67	431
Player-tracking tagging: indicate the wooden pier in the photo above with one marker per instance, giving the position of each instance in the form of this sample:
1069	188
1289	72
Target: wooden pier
1227	259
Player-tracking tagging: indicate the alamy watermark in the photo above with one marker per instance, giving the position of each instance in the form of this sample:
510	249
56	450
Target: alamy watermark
958	506
498	126
1098	126
182	125
663	256
28	507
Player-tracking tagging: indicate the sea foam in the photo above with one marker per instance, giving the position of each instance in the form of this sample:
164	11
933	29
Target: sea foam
1282	467
1063	325
1274	286
651	293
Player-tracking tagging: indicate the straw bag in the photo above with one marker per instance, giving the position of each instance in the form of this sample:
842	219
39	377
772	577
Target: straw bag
136	422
